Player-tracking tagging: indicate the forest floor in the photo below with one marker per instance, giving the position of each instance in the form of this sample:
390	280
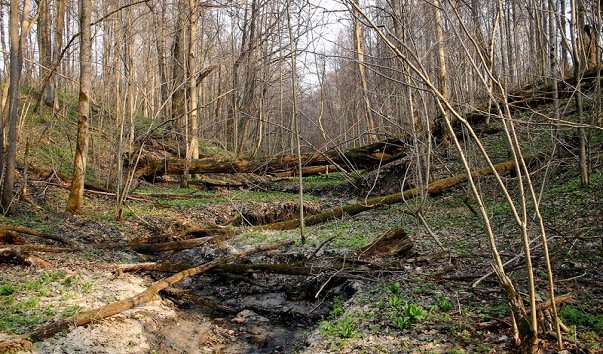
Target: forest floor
422	303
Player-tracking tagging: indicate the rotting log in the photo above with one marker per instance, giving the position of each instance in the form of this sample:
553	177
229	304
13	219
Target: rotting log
212	235
9	237
207	303
532	96
358	158
236	268
15	256
433	188
395	242
120	306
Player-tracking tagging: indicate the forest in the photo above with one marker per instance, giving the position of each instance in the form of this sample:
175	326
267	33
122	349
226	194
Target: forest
301	176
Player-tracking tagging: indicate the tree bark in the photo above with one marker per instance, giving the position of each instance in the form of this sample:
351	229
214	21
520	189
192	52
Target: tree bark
76	193
45	49
17	43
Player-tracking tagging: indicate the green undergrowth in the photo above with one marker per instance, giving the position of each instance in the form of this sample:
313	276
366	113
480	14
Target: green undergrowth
572	186
345	235
184	198
586	325
25	300
51	137
320	182
581	316
384	310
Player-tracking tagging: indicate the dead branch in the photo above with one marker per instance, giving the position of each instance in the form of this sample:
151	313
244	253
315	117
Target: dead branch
26	230
558	301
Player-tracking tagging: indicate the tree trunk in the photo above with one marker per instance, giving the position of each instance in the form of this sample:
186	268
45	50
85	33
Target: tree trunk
45	49
579	61
360	61
76	193
17	43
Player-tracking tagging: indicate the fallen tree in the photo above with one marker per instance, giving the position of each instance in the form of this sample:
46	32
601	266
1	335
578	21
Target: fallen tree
433	188
394	243
15	256
358	158
222	233
116	307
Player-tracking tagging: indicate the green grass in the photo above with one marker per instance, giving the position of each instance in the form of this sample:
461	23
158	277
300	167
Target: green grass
574	187
578	316
28	301
327	180
20	302
196	198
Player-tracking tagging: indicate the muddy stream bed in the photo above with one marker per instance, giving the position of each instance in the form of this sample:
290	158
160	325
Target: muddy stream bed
256	311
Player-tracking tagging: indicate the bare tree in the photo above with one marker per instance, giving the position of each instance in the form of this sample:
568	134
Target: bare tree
76	192
19	27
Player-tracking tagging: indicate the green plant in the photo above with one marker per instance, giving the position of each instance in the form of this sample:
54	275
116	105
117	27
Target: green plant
71	310
462	246
577	316
442	303
7	289
344	328
394	288
347	327
394	301
337	309
402	322
404	316
455	351
414	312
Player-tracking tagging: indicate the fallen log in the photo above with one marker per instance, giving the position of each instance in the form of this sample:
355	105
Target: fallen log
15	256
433	188
116	307
9	237
211	235
207	303
309	171
236	268
534	95
357	158
395	242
